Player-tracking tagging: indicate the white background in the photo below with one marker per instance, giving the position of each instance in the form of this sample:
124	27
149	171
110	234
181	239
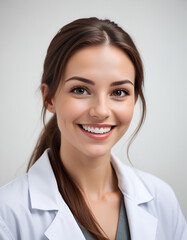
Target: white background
160	32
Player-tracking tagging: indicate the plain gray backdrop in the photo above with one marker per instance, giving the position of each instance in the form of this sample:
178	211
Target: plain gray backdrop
159	30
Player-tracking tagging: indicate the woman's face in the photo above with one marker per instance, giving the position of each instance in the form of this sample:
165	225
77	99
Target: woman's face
94	103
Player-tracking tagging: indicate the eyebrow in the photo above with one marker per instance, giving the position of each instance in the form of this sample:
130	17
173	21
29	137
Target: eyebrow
85	80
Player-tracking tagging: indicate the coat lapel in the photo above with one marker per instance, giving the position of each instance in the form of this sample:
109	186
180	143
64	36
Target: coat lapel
44	195
64	226
142	224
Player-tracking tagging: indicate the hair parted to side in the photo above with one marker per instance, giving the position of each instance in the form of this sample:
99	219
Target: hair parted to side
72	37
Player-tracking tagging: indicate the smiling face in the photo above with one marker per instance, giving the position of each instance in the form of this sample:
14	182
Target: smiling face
95	101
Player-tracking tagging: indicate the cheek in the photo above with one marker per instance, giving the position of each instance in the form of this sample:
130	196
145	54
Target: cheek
68	111
125	113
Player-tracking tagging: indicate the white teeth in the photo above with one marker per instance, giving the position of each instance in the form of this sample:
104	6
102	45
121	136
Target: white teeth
96	130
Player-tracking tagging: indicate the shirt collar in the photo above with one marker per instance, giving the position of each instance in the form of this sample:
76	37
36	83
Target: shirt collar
44	192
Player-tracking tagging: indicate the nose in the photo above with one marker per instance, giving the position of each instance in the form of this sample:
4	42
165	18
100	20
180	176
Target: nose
100	108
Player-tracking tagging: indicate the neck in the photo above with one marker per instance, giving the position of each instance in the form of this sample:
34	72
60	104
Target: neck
94	175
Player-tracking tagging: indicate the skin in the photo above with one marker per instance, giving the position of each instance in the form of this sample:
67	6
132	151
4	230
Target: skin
96	103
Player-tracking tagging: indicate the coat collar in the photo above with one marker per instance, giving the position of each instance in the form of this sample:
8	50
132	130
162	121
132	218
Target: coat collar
129	182
44	195
43	189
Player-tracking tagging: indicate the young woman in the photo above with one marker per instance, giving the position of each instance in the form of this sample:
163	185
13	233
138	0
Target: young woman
75	188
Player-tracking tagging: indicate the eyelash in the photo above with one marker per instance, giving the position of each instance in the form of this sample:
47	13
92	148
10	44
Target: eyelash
74	89
121	90
79	87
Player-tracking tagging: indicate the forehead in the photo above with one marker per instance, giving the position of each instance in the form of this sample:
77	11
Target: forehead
100	62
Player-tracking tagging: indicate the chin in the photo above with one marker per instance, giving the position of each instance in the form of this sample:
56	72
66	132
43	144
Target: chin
97	152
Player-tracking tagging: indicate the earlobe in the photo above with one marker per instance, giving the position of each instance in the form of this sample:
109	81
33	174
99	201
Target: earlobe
48	105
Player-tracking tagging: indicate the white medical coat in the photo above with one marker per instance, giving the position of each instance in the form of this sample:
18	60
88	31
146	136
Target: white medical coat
31	207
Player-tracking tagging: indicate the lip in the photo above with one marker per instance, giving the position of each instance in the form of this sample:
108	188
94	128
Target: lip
95	136
98	125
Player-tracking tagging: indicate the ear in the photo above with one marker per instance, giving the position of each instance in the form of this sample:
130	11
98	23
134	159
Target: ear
49	105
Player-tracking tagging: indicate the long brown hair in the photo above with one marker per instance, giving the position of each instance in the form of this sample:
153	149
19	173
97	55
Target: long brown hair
71	38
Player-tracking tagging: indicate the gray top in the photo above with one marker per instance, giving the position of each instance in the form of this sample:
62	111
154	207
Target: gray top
123	232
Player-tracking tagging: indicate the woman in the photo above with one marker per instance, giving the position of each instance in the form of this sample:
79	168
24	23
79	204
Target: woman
75	188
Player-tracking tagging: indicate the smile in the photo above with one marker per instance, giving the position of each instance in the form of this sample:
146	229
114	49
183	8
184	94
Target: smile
97	132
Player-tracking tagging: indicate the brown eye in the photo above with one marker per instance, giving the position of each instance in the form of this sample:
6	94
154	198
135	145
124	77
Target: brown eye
119	93
79	91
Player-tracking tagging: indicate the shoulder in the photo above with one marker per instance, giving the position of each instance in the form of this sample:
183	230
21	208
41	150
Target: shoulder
14	194
154	184
161	191
17	187
165	202
165	205
14	206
